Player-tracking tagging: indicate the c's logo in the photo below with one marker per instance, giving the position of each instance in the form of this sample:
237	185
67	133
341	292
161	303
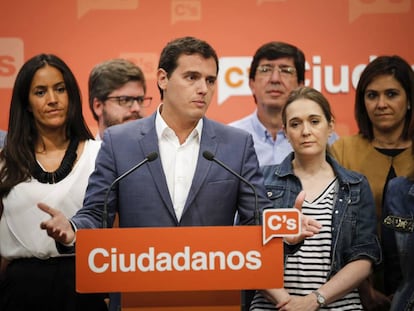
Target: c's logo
280	222
11	59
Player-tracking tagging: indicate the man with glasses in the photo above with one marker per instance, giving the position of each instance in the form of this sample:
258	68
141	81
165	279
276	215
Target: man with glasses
117	93
276	69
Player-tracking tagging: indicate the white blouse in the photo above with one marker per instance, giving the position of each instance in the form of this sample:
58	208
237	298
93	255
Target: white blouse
20	233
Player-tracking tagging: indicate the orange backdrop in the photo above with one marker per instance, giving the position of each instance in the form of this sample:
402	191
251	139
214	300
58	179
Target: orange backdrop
338	37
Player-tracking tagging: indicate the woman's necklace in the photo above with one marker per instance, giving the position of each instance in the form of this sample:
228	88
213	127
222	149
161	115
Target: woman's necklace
63	170
384	144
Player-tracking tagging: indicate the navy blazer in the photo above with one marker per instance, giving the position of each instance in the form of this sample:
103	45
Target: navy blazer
142	198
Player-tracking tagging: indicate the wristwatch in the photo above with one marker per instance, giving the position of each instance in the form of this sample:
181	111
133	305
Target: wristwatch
320	299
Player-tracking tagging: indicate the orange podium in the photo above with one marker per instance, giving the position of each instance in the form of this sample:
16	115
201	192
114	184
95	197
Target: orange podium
178	268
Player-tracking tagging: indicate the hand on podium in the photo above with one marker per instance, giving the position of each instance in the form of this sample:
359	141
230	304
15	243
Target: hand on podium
58	226
309	226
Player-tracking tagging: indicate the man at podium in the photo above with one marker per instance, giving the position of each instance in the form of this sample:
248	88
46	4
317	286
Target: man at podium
191	170
177	186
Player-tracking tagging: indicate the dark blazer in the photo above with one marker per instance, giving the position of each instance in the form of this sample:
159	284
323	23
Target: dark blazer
143	199
398	241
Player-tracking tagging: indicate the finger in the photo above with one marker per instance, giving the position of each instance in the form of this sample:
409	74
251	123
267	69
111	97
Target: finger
314	224
47	209
299	200
310	231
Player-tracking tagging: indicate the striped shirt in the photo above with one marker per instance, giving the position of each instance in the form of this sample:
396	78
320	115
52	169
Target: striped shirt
307	269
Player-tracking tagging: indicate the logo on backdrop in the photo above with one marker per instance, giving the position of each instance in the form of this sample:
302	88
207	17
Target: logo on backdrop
185	10
259	2
233	78
148	62
11	59
84	6
360	7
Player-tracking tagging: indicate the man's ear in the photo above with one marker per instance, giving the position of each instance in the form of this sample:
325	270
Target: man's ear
97	106
162	79
252	88
251	85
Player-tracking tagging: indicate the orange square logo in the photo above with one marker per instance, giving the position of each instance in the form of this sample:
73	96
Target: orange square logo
280	222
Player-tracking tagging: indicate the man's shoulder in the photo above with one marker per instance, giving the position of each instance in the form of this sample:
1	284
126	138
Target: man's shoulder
243	123
131	126
224	129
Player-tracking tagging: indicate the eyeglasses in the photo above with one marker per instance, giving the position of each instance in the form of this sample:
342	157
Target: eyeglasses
128	101
284	71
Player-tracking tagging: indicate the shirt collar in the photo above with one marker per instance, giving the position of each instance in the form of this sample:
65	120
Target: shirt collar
260	129
162	127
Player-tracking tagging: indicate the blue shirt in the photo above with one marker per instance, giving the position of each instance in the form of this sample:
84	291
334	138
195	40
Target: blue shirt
268	151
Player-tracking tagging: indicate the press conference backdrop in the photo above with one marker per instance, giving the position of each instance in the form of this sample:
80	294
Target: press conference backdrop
339	37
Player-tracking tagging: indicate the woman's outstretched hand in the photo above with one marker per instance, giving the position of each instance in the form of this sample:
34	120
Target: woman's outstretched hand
309	226
58	226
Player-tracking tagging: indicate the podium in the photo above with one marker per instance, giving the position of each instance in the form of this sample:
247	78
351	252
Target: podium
182	301
178	268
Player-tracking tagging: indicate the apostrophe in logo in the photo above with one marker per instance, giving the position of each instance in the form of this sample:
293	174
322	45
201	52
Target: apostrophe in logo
88	5
148	63
233	77
259	2
360	7
185	10
280	222
11	59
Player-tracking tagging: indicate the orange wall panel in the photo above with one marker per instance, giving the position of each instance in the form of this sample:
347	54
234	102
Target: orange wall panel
338	38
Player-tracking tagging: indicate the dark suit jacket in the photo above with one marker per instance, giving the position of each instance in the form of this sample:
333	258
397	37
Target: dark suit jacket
143	199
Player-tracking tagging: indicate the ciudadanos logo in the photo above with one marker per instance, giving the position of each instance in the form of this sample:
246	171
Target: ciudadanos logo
11	59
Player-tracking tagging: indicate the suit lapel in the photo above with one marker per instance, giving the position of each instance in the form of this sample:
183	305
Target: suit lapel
149	143
207	142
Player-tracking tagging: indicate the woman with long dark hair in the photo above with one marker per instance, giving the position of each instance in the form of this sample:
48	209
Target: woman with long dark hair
48	156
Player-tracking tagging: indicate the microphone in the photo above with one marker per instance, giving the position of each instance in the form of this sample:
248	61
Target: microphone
209	156
149	158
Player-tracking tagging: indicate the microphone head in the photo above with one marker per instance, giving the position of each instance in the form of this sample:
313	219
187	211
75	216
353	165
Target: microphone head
152	156
208	155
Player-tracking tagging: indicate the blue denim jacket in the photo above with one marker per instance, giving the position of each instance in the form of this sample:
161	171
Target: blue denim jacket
399	217
354	233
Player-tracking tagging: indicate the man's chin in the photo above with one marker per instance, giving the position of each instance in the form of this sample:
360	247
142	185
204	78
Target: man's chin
131	119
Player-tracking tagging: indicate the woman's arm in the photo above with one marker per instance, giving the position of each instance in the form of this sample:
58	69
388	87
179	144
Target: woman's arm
347	279
278	296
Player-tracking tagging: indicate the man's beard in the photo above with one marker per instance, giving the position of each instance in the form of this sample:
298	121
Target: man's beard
109	121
